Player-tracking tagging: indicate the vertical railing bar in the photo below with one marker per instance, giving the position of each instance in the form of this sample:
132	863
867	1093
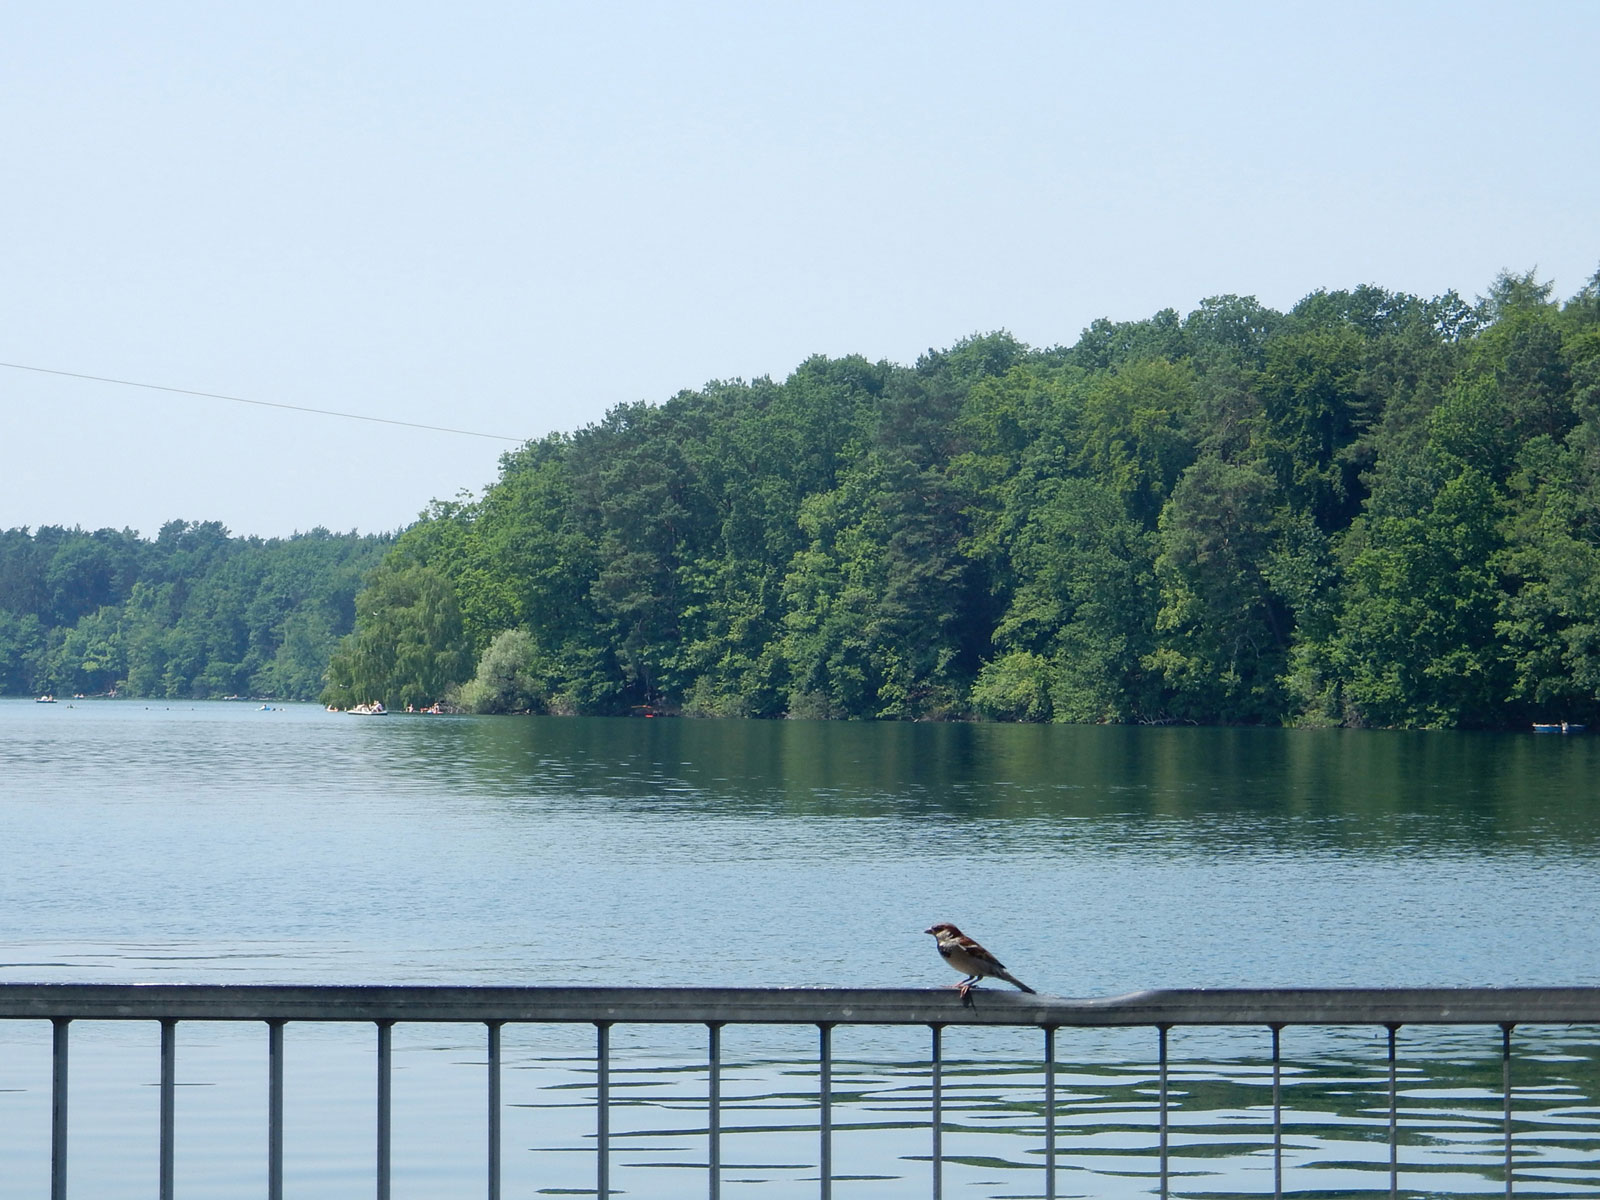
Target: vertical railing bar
1050	1112
825	1097
493	1030
714	1109
936	1085
1162	1029
1505	1087
1277	1112
58	1108
275	1109
603	1109
169	1087
385	1097
1394	1119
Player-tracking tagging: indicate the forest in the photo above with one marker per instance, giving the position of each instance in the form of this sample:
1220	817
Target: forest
1374	510
193	614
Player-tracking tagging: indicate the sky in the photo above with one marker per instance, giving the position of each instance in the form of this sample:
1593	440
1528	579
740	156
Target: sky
507	219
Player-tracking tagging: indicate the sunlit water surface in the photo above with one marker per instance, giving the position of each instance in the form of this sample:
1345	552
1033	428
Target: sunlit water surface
227	843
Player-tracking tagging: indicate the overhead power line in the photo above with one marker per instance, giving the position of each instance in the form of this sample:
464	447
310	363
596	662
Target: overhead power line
322	412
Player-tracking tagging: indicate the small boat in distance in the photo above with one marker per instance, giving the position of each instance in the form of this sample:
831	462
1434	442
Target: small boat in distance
47	698
375	709
1558	727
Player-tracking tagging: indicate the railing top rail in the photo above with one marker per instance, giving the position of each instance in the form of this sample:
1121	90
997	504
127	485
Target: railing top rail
800	1006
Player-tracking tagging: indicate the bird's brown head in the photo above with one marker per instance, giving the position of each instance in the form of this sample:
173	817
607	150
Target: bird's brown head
943	929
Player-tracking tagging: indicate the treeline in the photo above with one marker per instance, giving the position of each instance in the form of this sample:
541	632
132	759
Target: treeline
194	613
1373	510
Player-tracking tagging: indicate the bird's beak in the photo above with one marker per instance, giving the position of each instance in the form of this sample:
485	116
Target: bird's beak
927	931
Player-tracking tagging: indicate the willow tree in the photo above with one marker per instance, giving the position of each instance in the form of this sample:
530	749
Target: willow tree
408	646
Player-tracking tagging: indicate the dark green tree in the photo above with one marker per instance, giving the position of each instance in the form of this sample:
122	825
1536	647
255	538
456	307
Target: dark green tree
1223	632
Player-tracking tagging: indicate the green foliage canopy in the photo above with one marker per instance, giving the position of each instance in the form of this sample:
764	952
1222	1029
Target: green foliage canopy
194	613
1374	509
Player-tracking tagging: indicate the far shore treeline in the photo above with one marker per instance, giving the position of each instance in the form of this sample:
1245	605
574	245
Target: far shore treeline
1372	510
194	613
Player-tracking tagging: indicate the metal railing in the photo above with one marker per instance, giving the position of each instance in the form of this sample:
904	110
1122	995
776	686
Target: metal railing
714	1008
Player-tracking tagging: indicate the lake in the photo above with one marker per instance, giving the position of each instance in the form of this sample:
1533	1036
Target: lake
225	842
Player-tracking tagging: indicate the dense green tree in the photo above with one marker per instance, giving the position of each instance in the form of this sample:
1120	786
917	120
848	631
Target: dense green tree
298	665
1223	631
408	647
1550	615
21	641
1107	343
90	573
1314	408
1416	638
1230	330
1073	642
148	618
509	677
1136	432
831	653
89	656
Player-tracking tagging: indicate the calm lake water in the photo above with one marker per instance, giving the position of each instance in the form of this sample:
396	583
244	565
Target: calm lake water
224	843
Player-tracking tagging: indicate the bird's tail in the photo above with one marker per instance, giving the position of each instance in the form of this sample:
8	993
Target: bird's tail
1010	978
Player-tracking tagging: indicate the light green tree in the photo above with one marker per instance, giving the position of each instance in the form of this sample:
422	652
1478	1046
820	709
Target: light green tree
508	679
408	647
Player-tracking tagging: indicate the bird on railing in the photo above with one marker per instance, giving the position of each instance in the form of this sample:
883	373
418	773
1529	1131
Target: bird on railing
971	959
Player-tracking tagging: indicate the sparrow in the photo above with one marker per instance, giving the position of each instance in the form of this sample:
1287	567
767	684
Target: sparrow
966	956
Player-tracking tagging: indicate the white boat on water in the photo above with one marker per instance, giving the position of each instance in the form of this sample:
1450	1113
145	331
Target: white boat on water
375	709
45	699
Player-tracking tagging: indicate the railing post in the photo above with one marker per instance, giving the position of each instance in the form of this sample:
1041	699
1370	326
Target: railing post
385	1056
169	1065
1505	1087
825	1095
275	1110
58	1108
714	1109
936	1085
494	1109
1277	1112
1162	1043
1050	1112
603	1109
1394	1119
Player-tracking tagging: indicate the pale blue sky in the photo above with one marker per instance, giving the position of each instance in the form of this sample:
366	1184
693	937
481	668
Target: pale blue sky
511	217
